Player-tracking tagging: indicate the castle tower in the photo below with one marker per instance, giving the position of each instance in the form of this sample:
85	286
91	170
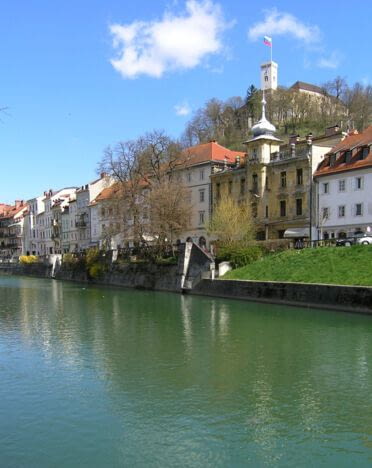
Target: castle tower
269	75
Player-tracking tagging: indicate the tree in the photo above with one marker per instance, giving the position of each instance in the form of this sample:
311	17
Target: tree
231	222
151	196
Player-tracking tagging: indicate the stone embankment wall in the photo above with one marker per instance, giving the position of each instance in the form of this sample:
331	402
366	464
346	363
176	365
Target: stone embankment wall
140	276
356	299
38	270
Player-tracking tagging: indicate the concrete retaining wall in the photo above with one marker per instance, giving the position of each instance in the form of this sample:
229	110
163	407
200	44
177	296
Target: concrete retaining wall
39	270
140	276
356	299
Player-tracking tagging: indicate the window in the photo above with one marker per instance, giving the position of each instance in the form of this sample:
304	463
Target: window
341	211
298	206
283	179
358	183
189	177
254	210
201	217
325	212
365	152
267	183
103	212
201	195
266	78
341	185
266	211
326	187
299	177
348	156
201	174
283	208
358	209
218	191
230	187
242	186
254	183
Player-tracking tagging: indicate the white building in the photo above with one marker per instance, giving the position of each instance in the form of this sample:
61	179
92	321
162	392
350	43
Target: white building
202	161
84	196
69	235
35	206
269	75
343	182
46	226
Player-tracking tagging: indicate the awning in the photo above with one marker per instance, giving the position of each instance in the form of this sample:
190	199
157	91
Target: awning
296	232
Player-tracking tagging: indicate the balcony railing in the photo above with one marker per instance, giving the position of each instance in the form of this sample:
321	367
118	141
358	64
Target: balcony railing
80	224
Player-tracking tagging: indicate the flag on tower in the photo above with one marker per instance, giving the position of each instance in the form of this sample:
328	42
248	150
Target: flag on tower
268	41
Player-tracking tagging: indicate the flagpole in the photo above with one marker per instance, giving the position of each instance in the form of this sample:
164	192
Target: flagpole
271	51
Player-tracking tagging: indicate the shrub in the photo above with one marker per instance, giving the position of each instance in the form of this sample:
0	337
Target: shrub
28	259
96	270
240	256
92	256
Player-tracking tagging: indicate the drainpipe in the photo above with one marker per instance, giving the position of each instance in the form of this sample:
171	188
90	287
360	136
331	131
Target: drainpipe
310	156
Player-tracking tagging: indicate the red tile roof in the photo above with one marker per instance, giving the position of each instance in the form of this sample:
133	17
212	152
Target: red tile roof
352	142
211	151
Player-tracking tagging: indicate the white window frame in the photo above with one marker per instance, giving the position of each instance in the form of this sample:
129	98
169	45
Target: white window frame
325	209
342	185
361	183
343	208
325	188
201	217
361	209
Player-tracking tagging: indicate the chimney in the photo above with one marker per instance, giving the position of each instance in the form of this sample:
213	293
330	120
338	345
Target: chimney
225	163
18	203
103	175
294	139
332	130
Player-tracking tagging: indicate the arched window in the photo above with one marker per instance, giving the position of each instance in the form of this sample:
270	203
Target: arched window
202	242
189	239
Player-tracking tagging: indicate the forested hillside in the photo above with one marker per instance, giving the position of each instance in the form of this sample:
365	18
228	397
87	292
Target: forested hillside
291	111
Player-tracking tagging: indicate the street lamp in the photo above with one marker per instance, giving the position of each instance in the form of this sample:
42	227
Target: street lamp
309	142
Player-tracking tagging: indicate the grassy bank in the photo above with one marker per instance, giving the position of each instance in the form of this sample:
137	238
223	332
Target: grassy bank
329	265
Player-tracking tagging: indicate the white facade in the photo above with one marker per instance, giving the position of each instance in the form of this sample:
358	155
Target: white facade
35	206
269	75
69	239
344	203
84	196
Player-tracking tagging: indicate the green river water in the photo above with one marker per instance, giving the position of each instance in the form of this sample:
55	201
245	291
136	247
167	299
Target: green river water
104	377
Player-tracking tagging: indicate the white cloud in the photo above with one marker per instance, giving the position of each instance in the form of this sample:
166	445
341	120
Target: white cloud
278	23
176	42
182	109
333	61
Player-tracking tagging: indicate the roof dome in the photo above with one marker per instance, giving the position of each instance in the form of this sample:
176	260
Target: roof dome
263	126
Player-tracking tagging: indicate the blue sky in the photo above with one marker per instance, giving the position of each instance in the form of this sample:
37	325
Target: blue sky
78	75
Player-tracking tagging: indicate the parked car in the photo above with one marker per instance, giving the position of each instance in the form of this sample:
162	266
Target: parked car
365	240
348	241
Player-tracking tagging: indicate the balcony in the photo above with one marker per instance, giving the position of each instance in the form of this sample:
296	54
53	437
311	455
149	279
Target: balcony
80	224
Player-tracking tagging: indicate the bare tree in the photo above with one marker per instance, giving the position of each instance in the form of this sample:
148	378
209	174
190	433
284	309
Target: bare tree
231	222
151	196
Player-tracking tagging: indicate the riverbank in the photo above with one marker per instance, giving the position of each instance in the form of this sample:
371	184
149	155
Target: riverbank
351	266
354	299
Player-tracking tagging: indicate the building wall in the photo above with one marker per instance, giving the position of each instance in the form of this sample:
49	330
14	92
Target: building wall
346	195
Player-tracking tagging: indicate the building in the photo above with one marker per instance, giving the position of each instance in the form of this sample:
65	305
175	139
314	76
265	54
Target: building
269	76
276	179
343	185
69	240
11	229
84	196
30	232
201	161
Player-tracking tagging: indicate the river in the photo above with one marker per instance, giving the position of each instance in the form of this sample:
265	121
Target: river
105	377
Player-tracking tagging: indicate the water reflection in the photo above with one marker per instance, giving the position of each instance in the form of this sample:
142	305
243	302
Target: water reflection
221	382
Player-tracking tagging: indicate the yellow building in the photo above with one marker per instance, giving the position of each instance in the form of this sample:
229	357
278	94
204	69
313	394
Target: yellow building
276	179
